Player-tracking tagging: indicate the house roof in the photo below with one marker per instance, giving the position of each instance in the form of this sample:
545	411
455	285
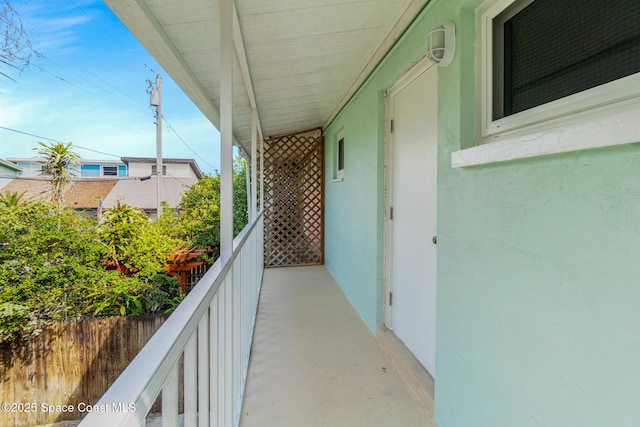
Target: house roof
86	193
297	62
143	194
83	194
190	162
10	165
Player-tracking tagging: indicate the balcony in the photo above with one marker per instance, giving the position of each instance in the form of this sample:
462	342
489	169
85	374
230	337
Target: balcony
315	363
306	359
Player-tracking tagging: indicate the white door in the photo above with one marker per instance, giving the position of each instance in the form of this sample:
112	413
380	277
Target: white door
413	196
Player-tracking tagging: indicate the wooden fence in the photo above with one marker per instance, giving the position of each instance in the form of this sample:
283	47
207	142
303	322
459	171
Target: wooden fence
61	373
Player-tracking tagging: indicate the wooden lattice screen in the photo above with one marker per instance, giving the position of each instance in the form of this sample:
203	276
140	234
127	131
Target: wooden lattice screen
293	200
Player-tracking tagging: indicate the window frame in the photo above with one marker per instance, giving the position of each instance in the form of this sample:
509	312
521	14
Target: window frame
110	170
340	159
602	116
339	156
154	169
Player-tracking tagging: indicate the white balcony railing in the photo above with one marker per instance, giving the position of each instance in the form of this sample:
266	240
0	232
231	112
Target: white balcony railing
213	329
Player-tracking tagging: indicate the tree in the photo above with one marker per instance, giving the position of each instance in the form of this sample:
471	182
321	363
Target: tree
121	225
137	249
57	158
198	218
16	50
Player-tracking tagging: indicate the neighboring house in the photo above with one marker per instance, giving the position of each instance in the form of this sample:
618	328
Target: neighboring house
486	211
8	171
100	169
129	181
178	168
84	194
84	169
126	166
142	193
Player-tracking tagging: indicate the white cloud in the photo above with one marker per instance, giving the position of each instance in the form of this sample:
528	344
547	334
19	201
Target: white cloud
58	36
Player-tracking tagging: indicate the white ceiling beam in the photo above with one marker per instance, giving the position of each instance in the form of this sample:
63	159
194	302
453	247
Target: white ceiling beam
241	54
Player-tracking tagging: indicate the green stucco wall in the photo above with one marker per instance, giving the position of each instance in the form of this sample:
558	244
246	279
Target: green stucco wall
538	315
354	208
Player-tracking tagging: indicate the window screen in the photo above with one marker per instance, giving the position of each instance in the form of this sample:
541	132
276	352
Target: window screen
341	154
110	171
550	49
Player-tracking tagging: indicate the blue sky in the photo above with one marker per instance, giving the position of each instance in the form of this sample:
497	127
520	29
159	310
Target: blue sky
90	88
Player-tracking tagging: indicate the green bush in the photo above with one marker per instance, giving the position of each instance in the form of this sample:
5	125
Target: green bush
59	264
52	266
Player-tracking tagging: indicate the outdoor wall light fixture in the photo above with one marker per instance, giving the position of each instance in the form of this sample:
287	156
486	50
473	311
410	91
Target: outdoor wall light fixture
441	44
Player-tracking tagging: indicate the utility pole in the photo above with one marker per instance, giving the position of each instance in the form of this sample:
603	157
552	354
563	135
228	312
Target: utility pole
156	101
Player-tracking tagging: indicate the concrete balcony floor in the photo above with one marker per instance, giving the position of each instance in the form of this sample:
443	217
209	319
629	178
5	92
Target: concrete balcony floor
315	363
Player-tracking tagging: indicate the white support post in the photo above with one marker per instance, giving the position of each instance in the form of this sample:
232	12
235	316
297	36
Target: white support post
247	179
262	175
254	165
226	129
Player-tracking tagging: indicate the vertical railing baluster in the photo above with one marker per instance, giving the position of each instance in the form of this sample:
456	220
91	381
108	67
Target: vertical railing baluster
228	349
214	360
237	352
222	389
203	370
170	398
244	297
190	393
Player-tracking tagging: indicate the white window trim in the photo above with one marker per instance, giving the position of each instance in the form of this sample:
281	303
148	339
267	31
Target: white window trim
603	116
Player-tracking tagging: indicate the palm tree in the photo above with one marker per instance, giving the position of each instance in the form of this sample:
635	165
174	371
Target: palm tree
12	199
56	160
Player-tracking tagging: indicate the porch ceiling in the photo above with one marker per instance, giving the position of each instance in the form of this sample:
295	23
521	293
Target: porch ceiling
304	58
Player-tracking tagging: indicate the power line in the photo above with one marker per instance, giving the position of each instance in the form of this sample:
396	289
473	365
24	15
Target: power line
104	30
63	79
57	141
101	152
123	93
179	180
187	145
